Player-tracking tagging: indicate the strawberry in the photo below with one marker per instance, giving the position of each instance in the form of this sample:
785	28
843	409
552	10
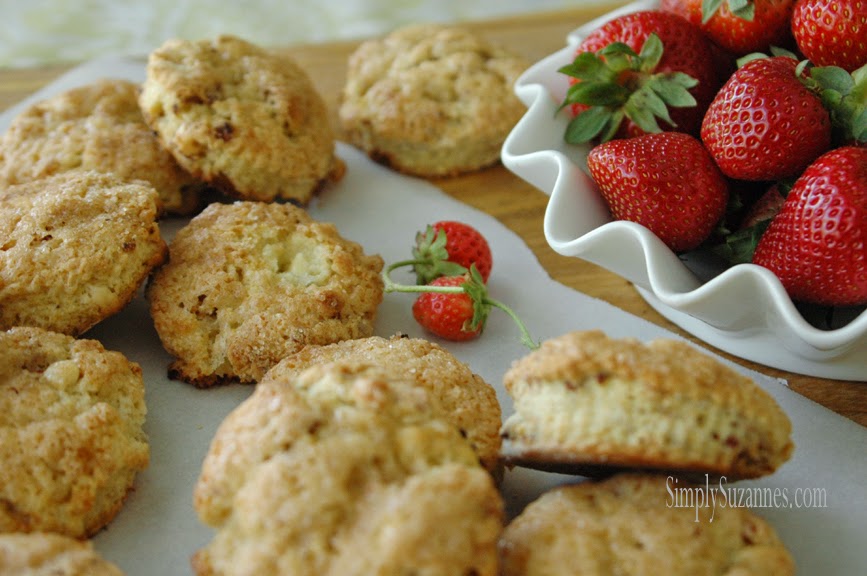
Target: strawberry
639	73
454	307
765	123
738	26
449	248
739	246
817	244
449	315
667	182
831	32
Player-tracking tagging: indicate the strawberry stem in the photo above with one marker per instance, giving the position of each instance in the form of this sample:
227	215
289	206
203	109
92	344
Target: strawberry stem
474	287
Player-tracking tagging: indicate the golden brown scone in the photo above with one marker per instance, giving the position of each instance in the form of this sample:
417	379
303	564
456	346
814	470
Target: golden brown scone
250	282
584	401
74	249
245	120
336	473
71	437
431	100
94	127
629	525
469	402
47	554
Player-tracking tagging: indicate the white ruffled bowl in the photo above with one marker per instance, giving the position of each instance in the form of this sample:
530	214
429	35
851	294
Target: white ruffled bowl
742	310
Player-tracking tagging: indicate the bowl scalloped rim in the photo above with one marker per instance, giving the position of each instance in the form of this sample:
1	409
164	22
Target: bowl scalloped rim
743	310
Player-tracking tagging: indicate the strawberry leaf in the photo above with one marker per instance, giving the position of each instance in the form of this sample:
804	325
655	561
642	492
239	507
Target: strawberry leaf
674	88
651	53
845	97
709	8
739	246
589	124
644	107
743	9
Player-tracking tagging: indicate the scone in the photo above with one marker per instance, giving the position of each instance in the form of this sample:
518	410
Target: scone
71	437
588	403
468	401
74	249
94	127
243	119
335	473
431	100
250	282
47	554
630	525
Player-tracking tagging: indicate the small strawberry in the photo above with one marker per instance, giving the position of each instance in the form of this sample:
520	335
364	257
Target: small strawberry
667	182
738	26
817	244
832	32
453	316
639	73
454	307
448	248
765	123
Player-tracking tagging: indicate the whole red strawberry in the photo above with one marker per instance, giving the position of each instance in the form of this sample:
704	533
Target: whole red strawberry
832	32
739	27
666	182
449	248
764	123
640	73
448	315
817	244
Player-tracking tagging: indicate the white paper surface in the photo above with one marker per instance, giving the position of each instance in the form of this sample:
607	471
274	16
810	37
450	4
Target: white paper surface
157	530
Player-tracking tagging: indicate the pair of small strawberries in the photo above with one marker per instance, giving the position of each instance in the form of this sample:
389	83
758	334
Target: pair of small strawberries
452	262
670	157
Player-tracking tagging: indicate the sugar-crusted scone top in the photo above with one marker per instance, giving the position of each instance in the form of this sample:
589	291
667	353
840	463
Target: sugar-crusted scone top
50	554
99	127
244	119
431	100
335	473
467	400
250	282
585	398
71	436
628	525
75	248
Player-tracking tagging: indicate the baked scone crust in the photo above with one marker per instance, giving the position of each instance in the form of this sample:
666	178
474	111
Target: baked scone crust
585	401
94	127
71	436
431	100
248	283
629	525
246	120
48	554
75	248
468	401
336	473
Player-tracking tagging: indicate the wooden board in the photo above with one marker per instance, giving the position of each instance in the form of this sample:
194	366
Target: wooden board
498	192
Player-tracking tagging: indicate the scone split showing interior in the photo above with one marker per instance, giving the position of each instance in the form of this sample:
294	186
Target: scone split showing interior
71	436
630	525
332	472
589	404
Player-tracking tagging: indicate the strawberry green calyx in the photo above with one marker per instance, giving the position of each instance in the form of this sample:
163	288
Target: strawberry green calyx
743	9
845	97
474	287
430	257
617	83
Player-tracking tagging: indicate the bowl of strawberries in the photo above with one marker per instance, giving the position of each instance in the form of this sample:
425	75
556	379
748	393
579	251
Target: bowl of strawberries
718	162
